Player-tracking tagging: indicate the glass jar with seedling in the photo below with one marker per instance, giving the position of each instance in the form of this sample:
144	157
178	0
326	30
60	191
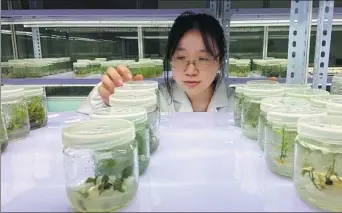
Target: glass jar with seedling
232	67
158	66
81	69
4	69
334	106
15	112
243	67
134	67
268	104
238	101
147	69
321	102
35	98
145	99
95	66
34	70
318	161
3	132
19	70
101	164
307	93
138	115
336	84
280	135
252	95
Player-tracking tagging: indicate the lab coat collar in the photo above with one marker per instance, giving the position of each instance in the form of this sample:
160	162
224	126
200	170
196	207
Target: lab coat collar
182	103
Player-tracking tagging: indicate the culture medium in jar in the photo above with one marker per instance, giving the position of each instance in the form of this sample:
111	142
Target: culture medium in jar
252	95
336	84
138	115
321	102
267	104
307	93
238	100
101	164
334	106
318	162
280	135
3	133
15	112
35	98
145	99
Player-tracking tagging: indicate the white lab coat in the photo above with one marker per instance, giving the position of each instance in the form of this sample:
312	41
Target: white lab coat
220	102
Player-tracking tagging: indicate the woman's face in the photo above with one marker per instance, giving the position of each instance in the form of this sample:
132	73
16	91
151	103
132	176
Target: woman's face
194	79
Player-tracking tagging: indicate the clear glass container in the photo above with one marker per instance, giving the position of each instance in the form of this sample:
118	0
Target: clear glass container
267	104
238	101
252	95
318	162
82	69
134	67
3	132
101	164
35	98
138	115
321	102
145	99
15	112
280	135
336	84
334	106
147	69
307	93
242	67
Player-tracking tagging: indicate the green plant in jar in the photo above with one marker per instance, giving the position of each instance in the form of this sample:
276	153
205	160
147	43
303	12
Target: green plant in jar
82	69
280	135
15	112
3	133
307	93
101	164
134	67
252	95
268	104
138	115
336	84
238	102
145	99
37	106
318	162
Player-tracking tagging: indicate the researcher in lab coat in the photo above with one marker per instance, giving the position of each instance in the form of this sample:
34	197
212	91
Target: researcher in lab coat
195	53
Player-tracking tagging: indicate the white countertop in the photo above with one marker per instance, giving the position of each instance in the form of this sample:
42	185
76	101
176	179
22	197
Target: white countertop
204	163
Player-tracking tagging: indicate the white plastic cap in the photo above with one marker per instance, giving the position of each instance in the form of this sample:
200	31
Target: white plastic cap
145	99
268	103
11	93
144	84
307	93
334	106
263	90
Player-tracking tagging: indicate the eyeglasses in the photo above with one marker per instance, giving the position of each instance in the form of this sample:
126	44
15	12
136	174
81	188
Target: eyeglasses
200	63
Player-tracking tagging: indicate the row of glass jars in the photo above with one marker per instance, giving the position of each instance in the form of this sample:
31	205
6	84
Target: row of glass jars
23	109
105	156
284	130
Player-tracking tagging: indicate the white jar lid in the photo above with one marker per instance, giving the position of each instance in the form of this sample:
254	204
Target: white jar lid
291	114
99	134
128	90
144	84
100	59
135	114
81	64
11	93
337	77
268	103
262	82
31	91
95	62
145	99
334	106
134	65
263	90
327	128
307	93
321	102
239	88
295	87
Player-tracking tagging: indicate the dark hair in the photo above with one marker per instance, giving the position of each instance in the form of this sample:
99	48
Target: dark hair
210	30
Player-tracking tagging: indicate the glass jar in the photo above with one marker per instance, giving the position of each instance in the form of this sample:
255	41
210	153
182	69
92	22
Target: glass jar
252	95
134	67
267	104
3	133
145	99
101	164
334	106
280	135
318	162
137	115
238	101
336	84
15	112
307	93
82	68
35	98
321	102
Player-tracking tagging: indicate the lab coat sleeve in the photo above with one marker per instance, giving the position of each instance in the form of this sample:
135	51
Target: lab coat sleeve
92	102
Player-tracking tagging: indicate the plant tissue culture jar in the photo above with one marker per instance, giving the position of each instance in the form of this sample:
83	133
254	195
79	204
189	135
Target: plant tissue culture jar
15	112
280	135
252	95
238	100
101	164
3	133
138	115
318	162
321	102
145	99
307	93
267	104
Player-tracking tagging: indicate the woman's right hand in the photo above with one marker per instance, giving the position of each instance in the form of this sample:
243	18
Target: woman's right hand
115	78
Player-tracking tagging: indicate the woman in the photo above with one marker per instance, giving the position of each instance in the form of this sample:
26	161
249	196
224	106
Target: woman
196	50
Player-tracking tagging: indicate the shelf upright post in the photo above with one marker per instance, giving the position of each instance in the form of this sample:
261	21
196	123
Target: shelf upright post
35	35
323	39
226	14
13	34
299	41
140	43
265	43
